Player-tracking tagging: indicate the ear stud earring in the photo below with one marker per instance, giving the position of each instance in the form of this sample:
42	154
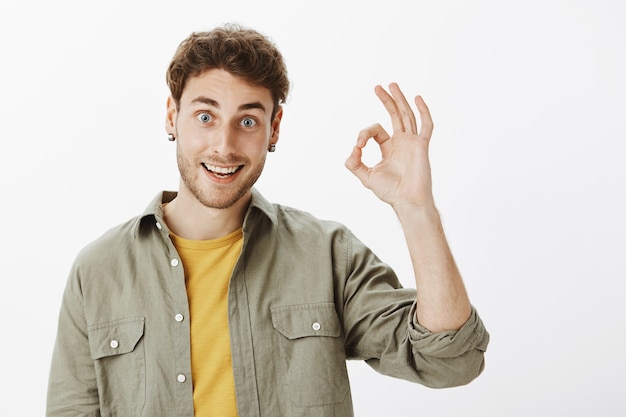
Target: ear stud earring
272	148
171	137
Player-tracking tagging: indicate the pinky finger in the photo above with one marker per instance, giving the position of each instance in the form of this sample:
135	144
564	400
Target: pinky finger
426	120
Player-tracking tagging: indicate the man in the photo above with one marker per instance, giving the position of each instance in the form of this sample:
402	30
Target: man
215	302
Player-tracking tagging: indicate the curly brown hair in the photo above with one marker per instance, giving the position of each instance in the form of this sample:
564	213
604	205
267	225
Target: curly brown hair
242	52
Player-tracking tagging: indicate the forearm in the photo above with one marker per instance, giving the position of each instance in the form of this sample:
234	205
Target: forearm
442	301
403	179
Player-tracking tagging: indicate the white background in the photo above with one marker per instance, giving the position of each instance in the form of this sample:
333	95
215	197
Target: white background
529	104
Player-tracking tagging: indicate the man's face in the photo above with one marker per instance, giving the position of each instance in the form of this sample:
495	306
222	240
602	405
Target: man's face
223	128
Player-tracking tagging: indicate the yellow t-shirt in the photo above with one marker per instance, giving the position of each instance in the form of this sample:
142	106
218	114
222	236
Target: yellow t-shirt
208	266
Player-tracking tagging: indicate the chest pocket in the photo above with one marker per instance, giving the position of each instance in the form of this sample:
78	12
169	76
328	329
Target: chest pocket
119	360
312	360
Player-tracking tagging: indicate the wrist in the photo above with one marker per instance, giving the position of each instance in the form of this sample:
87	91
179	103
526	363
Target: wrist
426	210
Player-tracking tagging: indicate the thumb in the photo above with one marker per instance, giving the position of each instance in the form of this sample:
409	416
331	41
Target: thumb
356	165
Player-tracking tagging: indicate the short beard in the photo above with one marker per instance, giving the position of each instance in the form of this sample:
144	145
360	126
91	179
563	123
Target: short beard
217	199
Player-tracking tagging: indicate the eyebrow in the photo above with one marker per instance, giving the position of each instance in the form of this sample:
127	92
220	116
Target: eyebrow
247	106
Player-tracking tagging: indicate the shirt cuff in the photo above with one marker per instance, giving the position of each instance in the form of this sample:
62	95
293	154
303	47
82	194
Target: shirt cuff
448	344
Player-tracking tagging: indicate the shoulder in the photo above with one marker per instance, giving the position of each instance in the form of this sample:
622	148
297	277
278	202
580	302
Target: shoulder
295	220
287	219
118	239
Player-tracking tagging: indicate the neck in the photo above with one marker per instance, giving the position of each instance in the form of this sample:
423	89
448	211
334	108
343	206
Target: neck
186	217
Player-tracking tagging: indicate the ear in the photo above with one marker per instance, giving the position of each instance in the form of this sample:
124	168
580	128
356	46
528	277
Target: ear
276	125
170	116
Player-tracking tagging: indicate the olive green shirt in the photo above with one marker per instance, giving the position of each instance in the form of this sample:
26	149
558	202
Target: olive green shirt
304	296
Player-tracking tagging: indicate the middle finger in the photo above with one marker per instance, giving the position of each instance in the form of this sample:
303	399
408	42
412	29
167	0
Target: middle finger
408	117
392	108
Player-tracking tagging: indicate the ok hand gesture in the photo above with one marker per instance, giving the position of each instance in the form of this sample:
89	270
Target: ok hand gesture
402	177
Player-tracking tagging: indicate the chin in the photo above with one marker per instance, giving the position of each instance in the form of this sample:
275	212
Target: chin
222	201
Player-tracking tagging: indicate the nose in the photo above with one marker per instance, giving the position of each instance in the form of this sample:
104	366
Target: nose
224	140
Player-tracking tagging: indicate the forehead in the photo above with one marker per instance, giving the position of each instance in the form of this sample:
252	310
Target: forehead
225	89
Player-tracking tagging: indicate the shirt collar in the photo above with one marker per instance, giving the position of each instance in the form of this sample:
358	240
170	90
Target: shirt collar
259	202
155	208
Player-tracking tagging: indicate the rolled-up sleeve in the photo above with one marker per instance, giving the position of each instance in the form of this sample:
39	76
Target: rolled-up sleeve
380	328
453	357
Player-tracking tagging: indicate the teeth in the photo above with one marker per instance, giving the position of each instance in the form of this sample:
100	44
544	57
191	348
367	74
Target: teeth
220	170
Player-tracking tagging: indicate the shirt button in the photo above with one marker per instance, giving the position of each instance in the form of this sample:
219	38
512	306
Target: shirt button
178	317
114	344
158	226
181	378
316	326
174	262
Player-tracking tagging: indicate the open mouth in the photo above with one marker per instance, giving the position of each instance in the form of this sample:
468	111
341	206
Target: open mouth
222	172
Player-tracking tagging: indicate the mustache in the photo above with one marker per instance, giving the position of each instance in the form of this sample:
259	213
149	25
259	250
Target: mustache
228	160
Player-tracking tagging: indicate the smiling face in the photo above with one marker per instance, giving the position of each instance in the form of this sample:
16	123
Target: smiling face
223	128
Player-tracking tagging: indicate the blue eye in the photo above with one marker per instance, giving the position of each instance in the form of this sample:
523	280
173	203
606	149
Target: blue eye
204	117
248	122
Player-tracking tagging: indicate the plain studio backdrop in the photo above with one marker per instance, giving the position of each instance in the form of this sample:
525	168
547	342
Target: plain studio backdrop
528	100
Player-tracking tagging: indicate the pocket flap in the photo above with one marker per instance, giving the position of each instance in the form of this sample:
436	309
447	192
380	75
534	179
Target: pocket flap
305	320
115	337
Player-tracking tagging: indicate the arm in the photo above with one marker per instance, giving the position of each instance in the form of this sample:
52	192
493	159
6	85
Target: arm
403	179
72	387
